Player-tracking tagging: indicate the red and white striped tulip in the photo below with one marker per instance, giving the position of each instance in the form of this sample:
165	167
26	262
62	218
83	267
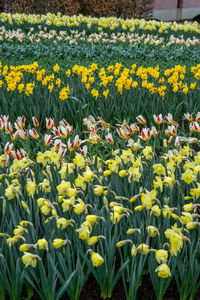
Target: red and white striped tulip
134	145
158	119
49	123
141	119
8	127
146	134
154	131
136	128
77	141
1	124
5	119
63	131
57	144
23	134
170	120
23	152
102	122
70	130
123	133
14	136
8	148
177	141
56	132
109	138
70	145
83	151
197	119
188	117
62	152
172	130
16	155
35	122
34	133
94	138
64	123
47	139
196	127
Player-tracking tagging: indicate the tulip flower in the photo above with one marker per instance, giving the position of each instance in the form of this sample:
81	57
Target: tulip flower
1	125
146	134
197	119
8	148
64	123
158	119
141	119
47	139
102	122
109	138
196	127
188	117
61	152
70	145
63	131
49	123
35	122
33	133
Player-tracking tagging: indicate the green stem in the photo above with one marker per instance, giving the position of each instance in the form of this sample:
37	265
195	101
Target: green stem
160	295
2	294
104	293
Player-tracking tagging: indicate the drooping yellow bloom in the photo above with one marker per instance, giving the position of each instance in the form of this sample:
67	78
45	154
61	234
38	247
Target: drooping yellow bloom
79	207
94	239
163	271
57	243
62	223
88	175
26	247
45	186
31	187
85	230
152	231
161	255
13	190
97	259
29	259
155	210
98	190
143	249
42	244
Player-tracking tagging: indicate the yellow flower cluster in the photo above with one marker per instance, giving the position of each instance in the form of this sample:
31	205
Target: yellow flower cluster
100	82
112	23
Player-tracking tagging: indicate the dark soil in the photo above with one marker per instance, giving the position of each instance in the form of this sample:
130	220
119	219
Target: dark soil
91	291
